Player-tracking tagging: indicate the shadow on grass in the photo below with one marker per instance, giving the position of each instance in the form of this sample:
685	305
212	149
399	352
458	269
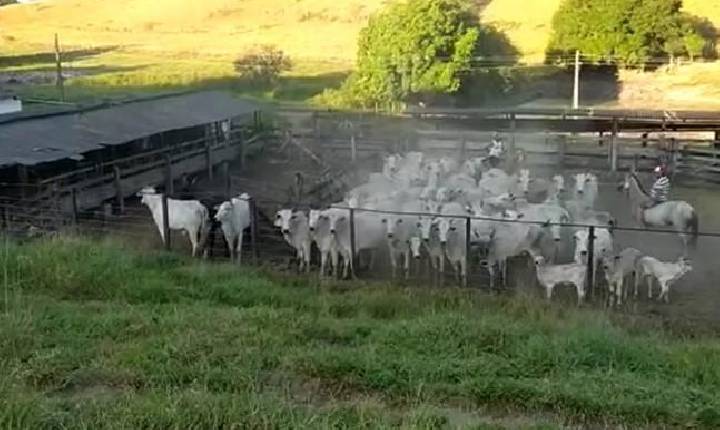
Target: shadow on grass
97	87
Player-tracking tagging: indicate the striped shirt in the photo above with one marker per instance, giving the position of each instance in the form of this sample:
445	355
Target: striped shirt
660	189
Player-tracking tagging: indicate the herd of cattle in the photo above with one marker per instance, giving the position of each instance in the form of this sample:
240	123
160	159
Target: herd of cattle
437	210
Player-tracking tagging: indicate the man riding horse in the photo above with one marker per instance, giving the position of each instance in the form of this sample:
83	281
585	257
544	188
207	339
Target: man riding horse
661	187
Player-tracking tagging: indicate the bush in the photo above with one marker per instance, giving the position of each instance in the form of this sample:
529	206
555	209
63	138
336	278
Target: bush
263	65
628	32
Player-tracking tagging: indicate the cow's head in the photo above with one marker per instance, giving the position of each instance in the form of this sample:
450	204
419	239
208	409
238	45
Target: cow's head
425	225
224	211
415	244
446	226
284	220
392	163
559	181
313	219
336	218
391	223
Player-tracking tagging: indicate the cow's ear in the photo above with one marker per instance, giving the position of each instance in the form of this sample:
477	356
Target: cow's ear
384	220
520	215
419	224
617	257
400	221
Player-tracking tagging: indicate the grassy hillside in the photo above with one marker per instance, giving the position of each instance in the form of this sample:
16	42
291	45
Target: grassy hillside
97	335
116	48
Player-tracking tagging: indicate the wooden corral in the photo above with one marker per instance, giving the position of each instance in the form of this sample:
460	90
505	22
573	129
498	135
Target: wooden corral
603	140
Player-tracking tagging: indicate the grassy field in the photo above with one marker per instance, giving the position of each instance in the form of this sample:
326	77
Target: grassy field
95	335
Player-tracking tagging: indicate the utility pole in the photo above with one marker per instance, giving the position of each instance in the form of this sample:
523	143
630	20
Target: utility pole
59	80
576	89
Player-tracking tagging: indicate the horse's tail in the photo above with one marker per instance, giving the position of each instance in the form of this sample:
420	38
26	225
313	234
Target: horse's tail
693	224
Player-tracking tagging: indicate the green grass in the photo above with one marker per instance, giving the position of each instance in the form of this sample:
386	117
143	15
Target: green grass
96	335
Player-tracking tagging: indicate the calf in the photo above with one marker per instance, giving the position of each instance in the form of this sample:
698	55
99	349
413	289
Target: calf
551	276
235	217
452	234
666	274
319	225
190	216
296	232
617	269
369	234
400	229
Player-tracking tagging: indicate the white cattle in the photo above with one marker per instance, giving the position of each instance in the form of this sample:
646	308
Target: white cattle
552	276
431	241
586	189
400	229
296	232
534	190
189	216
369	234
666	273
452	234
505	239
602	247
319	226
391	165
617	269
461	181
234	217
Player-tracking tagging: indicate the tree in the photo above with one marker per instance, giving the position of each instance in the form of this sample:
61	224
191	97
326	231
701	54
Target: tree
414	47
263	65
694	44
625	31
7	2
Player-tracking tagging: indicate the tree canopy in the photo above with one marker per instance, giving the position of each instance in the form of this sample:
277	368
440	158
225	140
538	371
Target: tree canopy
414	47
628	32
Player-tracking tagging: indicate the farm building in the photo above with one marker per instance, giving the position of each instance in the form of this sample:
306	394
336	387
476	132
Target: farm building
82	158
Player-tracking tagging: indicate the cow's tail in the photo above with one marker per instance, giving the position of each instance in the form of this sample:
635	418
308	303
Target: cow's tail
693	224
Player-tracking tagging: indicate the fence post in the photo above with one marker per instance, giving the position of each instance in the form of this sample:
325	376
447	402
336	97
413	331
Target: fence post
225	168
208	157
253	229
352	240
74	207
467	251
614	146
166	221
5	223
591	261
165	209
118	189
353	148
242	148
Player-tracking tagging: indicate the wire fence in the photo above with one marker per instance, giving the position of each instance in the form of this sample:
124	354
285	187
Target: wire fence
472	263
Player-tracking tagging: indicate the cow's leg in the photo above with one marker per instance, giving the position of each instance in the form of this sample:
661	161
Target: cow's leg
665	290
323	261
306	252
192	235
407	264
620	291
549	291
334	269
637	281
649	281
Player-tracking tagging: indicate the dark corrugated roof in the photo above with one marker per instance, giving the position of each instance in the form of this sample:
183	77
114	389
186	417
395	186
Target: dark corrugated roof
31	141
